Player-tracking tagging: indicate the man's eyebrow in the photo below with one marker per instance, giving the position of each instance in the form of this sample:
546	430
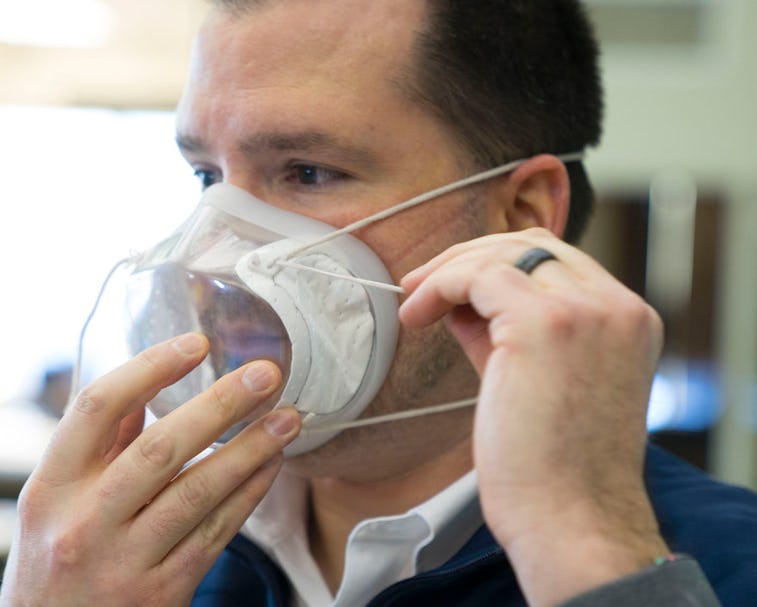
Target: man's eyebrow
308	141
187	143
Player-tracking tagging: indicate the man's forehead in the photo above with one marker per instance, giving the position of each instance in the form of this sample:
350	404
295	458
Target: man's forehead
347	46
297	66
354	27
401	8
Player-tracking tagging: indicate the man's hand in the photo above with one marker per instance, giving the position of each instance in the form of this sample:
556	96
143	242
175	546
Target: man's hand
566	355
109	517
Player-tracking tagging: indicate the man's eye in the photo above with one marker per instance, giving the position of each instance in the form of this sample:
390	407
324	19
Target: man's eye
313	175
207	178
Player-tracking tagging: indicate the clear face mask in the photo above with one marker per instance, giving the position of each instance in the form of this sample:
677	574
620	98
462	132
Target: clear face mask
264	283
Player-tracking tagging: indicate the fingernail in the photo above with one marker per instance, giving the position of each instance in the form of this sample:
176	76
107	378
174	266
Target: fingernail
280	423
258	377
188	344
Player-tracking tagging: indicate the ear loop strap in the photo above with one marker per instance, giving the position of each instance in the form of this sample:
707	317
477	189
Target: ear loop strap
361	281
408	204
391	417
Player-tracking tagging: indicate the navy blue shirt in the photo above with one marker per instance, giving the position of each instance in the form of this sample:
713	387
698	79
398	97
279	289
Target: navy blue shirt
713	522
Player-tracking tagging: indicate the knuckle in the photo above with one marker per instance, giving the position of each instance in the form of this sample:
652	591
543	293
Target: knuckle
195	493
634	320
70	547
34	499
90	401
192	559
211	532
561	321
155	450
637	313
28	505
221	402
647	315
206	541
651	326
655	323
166	524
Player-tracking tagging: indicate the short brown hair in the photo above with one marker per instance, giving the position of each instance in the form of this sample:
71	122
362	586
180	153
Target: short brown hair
515	78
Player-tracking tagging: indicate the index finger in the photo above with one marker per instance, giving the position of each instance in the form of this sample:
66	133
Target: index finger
147	466
89	427
514	243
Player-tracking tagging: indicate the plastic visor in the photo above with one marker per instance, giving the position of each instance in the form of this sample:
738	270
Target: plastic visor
218	274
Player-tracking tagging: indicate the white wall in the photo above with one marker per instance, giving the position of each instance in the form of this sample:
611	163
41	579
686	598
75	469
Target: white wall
696	111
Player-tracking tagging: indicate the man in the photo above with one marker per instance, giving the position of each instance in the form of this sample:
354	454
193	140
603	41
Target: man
334	110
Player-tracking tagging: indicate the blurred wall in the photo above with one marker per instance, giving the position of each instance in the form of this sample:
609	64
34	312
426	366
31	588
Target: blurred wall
691	109
140	61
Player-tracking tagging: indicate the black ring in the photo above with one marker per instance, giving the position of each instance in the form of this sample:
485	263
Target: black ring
532	259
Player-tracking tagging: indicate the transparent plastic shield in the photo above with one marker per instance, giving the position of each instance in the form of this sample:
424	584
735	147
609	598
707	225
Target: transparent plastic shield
167	300
226	272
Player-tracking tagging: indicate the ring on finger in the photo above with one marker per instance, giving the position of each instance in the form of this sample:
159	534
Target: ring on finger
533	258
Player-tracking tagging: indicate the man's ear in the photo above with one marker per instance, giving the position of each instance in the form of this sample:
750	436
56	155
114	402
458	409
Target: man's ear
536	194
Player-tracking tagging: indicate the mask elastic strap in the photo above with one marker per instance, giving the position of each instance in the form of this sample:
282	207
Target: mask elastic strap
391	417
441	191
76	373
361	281
398	208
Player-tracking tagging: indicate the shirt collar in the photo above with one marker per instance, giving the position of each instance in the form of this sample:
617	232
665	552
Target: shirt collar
380	551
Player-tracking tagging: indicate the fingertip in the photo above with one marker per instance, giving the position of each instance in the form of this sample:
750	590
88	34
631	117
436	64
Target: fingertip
261	376
415	311
410	281
283	423
405	313
406	282
190	344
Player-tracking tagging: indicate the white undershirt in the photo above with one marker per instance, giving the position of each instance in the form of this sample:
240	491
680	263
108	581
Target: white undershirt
380	551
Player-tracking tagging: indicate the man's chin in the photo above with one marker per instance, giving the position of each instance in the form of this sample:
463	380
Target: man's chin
343	456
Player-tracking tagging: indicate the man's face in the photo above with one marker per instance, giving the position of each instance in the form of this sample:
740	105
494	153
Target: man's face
300	103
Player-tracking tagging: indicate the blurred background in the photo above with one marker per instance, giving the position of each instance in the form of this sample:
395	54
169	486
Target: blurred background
90	173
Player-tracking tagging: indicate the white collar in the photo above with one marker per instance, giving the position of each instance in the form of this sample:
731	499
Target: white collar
380	551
